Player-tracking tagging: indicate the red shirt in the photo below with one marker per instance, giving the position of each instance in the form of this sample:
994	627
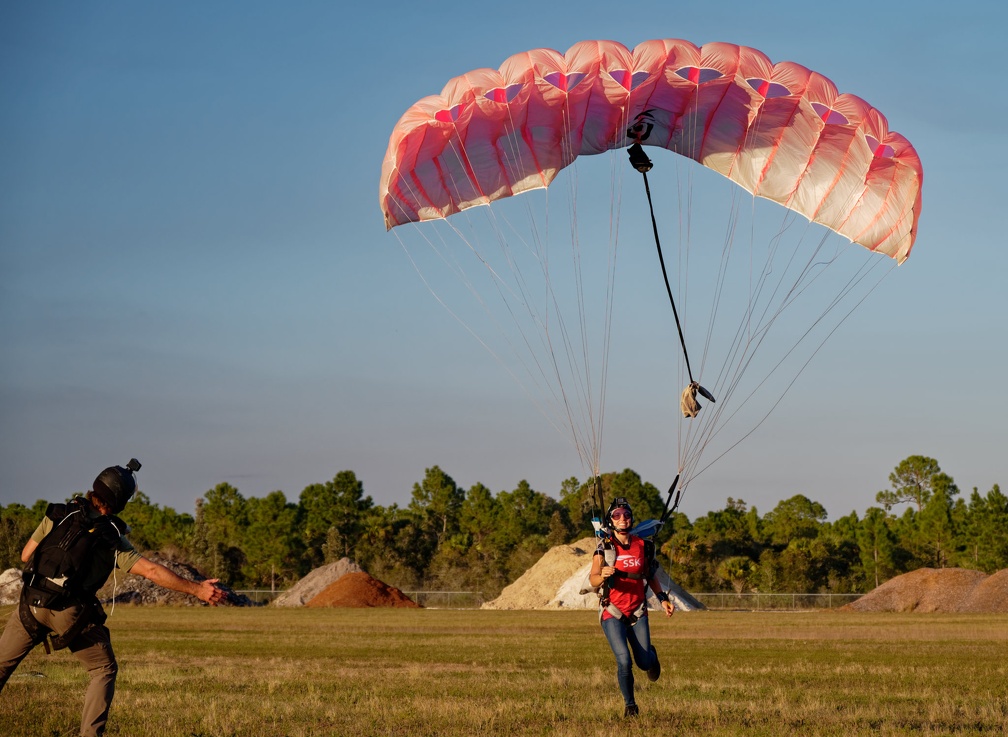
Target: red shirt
628	593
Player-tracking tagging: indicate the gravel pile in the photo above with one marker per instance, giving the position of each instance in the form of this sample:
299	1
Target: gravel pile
126	588
10	586
130	589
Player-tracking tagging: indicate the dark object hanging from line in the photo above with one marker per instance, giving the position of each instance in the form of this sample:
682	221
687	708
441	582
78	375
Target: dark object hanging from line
638	159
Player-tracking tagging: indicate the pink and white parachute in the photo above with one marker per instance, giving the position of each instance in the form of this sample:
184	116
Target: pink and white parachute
754	313
779	130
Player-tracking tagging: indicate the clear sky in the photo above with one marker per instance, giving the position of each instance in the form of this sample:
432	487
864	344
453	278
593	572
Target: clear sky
194	269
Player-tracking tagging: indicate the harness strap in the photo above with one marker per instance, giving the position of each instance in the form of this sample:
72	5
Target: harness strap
630	619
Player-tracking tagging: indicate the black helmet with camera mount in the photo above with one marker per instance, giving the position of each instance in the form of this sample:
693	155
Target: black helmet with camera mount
116	485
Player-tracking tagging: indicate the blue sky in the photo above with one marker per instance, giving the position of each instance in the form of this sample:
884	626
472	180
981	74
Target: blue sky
194	268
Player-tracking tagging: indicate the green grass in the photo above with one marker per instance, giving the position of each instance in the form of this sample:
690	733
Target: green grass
299	672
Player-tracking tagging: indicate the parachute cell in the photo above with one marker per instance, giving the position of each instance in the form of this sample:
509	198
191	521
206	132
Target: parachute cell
779	130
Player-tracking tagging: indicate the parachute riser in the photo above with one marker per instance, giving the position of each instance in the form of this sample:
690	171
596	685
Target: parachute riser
649	529
678	496
600	525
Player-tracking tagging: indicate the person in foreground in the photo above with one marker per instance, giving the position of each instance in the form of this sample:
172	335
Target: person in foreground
622	566
71	555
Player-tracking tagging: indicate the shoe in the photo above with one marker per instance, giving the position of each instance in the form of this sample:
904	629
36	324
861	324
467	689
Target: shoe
655	670
630	711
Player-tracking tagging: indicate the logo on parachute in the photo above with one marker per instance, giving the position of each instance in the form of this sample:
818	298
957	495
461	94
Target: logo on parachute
642	126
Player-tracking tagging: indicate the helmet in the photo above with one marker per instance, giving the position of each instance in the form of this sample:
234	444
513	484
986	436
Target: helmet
116	485
618	502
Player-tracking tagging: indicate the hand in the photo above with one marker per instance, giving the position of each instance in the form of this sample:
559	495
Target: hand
210	593
669	608
606	572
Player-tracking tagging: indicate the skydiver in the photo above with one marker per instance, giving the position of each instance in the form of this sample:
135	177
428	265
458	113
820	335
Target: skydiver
623	566
62	609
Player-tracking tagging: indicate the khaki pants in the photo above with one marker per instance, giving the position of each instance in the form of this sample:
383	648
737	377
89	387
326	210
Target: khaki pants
93	649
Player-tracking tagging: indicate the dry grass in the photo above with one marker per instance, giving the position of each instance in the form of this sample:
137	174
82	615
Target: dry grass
303	672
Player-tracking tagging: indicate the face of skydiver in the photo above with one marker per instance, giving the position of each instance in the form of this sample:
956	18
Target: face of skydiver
621	519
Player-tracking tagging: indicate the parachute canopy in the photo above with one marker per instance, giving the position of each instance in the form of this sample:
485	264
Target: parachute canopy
780	131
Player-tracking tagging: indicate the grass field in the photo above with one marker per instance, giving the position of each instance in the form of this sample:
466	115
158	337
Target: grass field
225	672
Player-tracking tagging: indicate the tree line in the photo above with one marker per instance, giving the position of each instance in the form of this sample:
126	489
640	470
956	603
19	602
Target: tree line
450	538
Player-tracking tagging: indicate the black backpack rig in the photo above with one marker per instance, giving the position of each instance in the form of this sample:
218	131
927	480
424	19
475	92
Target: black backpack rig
54	577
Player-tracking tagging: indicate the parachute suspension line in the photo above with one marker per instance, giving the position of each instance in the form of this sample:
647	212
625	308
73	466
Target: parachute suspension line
812	270
573	384
773	287
503	290
586	379
749	337
616	190
642	163
458	270
583	431
587	424
851	283
700	432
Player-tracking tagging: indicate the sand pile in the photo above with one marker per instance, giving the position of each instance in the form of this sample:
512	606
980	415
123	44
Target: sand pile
311	585
955	590
556	580
537	587
360	590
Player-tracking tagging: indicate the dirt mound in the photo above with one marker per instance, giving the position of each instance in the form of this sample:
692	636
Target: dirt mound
957	590
131	589
991	594
538	586
360	590
312	584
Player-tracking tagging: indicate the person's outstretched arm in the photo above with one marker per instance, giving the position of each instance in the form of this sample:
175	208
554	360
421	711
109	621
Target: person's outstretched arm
166	578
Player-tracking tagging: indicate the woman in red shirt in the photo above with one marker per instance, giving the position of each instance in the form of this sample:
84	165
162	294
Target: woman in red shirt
623	566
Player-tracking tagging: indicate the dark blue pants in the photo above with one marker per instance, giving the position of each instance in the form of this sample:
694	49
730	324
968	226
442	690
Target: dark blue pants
624	639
